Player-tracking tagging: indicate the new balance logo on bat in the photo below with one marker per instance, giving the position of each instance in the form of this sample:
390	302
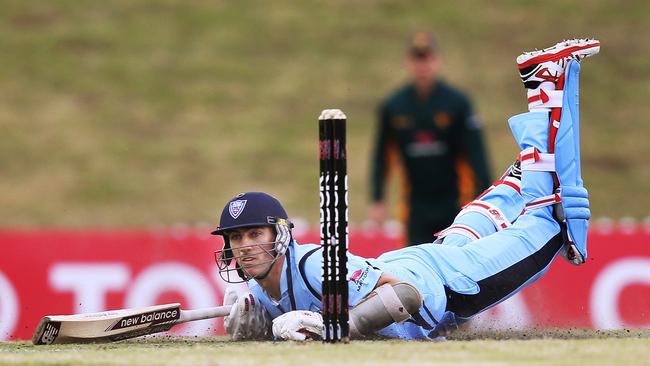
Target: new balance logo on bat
154	317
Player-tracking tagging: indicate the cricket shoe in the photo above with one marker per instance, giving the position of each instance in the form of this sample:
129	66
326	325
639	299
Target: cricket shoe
549	64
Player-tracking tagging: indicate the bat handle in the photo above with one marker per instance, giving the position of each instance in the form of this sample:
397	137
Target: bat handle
205	313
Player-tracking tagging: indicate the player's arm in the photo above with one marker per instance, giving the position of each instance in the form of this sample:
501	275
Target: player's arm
387	304
392	301
385	278
380	301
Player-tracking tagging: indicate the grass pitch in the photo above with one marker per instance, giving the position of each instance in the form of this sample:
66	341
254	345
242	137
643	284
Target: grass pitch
537	348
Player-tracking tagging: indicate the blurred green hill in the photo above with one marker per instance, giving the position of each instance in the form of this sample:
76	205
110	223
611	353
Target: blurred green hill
129	113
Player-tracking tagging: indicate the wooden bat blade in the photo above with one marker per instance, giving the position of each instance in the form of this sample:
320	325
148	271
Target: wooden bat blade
116	325
107	326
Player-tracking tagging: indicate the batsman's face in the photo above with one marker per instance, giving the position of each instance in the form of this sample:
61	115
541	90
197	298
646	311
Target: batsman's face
253	249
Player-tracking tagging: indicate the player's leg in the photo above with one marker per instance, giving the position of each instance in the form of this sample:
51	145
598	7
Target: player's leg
494	210
552	78
497	265
487	271
542	73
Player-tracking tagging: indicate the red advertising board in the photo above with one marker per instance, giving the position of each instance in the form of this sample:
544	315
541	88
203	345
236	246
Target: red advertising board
45	272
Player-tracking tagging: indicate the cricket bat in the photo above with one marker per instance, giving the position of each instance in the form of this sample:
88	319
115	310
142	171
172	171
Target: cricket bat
116	325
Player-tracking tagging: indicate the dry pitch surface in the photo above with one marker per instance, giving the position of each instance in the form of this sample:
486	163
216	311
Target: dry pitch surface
510	348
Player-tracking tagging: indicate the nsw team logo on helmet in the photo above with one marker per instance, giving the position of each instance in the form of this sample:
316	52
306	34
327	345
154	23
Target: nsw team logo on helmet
235	208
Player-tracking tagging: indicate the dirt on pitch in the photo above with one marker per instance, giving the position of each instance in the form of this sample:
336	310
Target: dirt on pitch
541	347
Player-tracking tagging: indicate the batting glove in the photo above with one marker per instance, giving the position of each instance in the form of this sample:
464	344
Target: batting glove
298	325
247	319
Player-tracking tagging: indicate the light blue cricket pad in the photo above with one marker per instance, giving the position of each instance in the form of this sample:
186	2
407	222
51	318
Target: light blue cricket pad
567	161
531	130
575	202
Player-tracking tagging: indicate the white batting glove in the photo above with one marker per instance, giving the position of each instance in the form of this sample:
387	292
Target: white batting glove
247	319
298	325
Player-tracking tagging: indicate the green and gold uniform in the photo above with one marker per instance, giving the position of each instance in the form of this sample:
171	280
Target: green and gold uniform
437	141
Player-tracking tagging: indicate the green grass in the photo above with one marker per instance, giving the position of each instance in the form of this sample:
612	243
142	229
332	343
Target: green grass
127	113
546	348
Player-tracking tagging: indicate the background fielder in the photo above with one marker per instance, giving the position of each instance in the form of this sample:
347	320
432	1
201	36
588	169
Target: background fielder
485	257
428	131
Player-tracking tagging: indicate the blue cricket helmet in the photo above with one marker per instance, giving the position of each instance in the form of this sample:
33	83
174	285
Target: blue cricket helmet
250	209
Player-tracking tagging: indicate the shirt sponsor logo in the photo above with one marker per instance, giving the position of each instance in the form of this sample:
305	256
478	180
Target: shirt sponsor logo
359	276
236	208
356	275
419	150
425	143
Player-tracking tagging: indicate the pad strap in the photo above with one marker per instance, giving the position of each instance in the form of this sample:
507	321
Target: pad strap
513	182
532	159
544	201
488	210
459	229
541	98
392	303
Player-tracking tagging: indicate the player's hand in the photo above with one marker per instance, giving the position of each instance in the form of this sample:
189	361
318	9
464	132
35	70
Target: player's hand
247	319
298	325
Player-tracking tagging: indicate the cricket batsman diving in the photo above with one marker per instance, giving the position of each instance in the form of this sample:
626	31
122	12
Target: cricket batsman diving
498	244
